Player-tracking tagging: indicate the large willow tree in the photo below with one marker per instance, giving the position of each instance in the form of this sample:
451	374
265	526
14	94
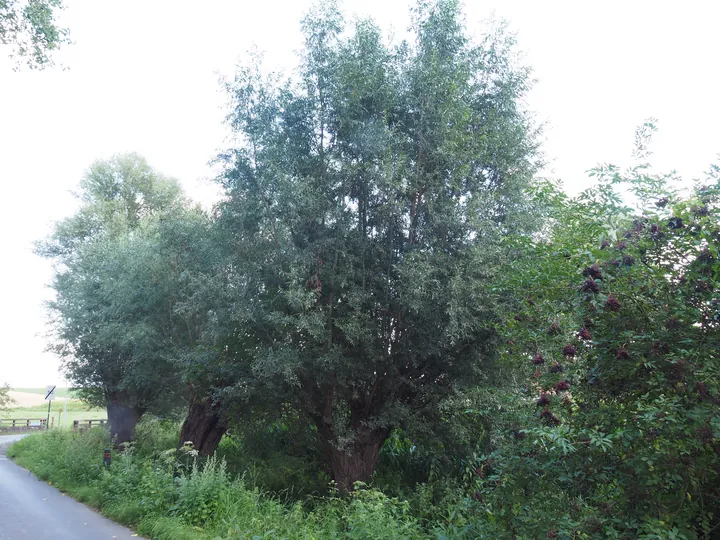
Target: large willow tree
113	309
366	201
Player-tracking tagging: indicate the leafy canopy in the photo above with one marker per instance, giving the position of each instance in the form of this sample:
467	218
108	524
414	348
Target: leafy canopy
615	331
365	207
30	29
110	312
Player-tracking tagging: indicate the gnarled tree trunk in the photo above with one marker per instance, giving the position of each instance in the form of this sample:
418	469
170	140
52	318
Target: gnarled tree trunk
354	462
204	426
122	419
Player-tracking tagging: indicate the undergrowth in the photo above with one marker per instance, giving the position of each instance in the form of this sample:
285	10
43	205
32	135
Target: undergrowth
164	494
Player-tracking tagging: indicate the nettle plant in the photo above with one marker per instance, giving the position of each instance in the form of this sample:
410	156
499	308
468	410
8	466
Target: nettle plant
617	332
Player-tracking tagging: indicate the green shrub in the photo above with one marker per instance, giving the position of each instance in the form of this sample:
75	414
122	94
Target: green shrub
371	514
282	458
615	348
154	435
200	491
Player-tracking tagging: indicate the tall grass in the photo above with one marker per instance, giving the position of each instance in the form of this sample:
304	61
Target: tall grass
166	495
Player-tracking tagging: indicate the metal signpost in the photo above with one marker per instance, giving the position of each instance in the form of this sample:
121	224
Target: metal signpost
49	396
65	407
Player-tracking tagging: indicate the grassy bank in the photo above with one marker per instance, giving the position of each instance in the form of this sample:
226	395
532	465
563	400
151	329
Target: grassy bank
166	495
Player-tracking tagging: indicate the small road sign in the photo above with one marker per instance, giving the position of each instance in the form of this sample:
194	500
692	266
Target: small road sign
49	396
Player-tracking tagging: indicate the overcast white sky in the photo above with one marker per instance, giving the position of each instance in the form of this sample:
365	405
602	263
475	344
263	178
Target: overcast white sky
143	76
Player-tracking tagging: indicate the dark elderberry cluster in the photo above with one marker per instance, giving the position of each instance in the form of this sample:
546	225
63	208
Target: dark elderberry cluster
612	303
660	348
702	389
706	257
703	286
675	223
584	334
705	435
590	285
549	417
592	272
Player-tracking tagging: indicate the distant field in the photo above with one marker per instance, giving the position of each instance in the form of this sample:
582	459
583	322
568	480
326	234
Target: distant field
75	411
27	399
59	392
31	405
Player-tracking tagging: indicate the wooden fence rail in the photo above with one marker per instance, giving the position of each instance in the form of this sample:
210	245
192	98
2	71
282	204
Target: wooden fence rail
41	423
23	422
87	424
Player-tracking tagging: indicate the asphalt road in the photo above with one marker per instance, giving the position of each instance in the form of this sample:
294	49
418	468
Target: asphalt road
32	510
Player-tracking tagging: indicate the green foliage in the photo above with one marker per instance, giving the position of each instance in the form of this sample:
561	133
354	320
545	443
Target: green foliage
114	283
363	221
163	495
283	458
5	400
385	282
65	458
616	429
115	195
30	29
155	435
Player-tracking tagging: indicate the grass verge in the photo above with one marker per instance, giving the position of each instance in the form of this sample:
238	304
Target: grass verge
165	495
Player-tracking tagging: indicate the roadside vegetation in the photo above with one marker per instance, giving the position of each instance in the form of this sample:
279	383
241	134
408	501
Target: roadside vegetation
176	495
391	326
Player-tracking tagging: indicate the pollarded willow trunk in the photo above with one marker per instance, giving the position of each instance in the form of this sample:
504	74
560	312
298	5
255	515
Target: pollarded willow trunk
356	461
122	419
204	426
